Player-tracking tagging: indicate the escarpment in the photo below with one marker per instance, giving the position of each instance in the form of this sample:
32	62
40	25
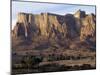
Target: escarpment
53	27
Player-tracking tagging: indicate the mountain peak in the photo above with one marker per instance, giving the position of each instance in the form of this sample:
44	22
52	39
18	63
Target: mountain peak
54	26
80	14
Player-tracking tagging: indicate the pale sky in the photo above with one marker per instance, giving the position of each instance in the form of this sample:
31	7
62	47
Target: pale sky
36	8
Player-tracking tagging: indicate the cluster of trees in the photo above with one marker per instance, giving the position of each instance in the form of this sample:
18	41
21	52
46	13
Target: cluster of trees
28	62
65	57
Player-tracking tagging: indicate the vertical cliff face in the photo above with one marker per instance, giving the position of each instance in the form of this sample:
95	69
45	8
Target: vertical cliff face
79	26
25	25
88	29
86	23
45	24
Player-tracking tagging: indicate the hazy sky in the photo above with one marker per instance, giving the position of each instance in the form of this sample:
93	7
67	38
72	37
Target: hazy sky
36	8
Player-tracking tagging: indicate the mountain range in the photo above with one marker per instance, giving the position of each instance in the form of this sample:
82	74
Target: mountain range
46	30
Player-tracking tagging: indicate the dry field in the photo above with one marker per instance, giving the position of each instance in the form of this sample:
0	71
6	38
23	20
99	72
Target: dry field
35	61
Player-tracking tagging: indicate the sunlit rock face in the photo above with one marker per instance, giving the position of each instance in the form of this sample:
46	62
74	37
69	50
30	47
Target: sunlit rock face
88	27
46	24
80	26
80	14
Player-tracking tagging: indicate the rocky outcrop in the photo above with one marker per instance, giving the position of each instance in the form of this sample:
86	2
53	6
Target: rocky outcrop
88	28
45	24
80	14
61	28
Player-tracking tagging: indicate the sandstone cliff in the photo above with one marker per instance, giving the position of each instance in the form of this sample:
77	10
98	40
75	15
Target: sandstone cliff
60	28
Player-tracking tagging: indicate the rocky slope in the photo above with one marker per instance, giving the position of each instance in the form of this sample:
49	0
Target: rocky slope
70	30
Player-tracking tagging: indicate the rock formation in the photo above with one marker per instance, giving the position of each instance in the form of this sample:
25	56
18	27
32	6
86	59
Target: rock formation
61	28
